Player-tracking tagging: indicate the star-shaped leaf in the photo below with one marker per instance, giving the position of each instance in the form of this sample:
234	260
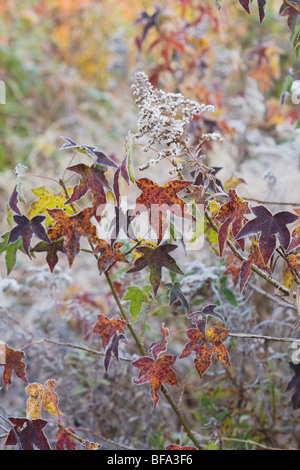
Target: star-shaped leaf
42	396
64	440
158	201
99	158
108	254
93	180
156	259
204	347
72	228
29	433
199	318
137	296
25	229
51	249
107	328
269	226
155	372
13	361
231	214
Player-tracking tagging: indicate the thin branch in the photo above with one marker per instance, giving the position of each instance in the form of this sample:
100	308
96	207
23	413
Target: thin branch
264	337
274	203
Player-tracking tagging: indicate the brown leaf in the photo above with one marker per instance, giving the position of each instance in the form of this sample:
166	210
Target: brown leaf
12	361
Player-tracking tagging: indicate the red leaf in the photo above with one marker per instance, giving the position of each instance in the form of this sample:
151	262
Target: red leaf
255	258
231	214
113	348
72	228
160	346
206	347
29	433
107	328
64	440
155	372
12	361
51	249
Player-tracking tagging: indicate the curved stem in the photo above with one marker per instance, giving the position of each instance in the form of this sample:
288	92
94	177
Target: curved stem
143	352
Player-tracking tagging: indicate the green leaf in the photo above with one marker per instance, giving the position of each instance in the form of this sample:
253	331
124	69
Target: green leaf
10	252
137	296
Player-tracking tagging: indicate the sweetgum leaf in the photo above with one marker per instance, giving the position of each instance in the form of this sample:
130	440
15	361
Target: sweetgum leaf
64	440
175	293
160	346
51	249
107	328
269	226
204	347
26	229
158	201
255	258
261	7
137	297
99	158
155	259
30	434
93	180
13	361
231	214
72	228
48	199
113	348
155	372
42	396
10	252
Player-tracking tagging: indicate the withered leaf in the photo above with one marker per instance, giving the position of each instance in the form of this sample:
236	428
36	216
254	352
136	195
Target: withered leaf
255	258
25	229
107	328
13	201
261	7
269	226
158	201
42	396
13	361
99	158
72	228
199	318
108	254
160	346
121	171
64	440
30	434
155	259
113	348
93	180
295	238
205	347
155	372
231	214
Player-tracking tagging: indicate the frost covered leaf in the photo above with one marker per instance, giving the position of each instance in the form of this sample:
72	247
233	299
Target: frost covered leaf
137	297
122	171
108	254
13	362
269	226
233	182
10	252
93	180
113	348
160	346
155	372
99	158
261	7
206	347
25	229
72	228
42	396
294	383
255	258
158	201
48	199
231	214
30	434
295	238
155	259
51	249
107	328
199	318
64	440
175	293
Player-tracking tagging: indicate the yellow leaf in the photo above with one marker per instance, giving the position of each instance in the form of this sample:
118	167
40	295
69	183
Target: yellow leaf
42	396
